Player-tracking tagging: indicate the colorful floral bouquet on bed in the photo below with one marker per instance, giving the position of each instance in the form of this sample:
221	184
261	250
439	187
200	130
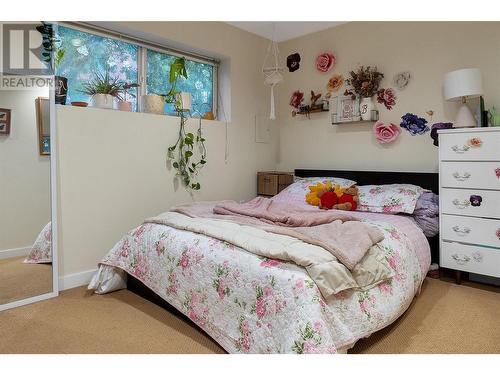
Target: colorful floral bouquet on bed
327	196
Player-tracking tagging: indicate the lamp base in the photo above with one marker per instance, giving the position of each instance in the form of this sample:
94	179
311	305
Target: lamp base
464	118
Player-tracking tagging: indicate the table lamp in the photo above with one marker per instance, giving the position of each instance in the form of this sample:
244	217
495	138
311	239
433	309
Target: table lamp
461	85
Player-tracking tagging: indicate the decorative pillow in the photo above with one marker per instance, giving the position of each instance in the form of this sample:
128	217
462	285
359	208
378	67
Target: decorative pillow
296	192
395	198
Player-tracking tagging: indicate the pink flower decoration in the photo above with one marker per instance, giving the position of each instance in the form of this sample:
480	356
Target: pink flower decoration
296	99
387	97
386	133
498	233
325	61
497	172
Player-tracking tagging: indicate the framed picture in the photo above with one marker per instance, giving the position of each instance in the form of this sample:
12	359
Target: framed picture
43	125
4	121
347	108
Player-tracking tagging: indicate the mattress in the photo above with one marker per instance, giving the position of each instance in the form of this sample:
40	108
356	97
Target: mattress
251	304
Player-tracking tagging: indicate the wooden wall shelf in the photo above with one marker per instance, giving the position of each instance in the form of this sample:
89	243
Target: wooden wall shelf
354	122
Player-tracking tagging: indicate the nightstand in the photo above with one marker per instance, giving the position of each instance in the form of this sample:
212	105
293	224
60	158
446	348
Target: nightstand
271	183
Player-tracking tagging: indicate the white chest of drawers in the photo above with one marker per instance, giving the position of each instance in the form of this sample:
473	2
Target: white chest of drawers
469	200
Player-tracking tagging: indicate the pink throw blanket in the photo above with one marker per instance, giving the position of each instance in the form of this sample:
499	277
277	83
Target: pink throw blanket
345	237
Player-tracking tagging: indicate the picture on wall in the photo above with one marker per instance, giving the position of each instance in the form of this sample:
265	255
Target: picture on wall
347	108
43	125
4	121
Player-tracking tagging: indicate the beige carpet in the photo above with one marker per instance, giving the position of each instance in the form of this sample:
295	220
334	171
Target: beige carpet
446	318
19	280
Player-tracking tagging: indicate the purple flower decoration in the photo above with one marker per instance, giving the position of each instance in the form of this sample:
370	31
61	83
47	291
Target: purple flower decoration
439	126
414	124
475	200
293	62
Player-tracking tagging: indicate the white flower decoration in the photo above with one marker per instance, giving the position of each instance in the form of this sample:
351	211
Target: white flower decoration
401	80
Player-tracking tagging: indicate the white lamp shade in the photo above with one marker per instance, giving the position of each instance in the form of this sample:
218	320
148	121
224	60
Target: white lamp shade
463	83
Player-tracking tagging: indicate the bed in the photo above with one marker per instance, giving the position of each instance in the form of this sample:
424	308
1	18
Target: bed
41	251
253	304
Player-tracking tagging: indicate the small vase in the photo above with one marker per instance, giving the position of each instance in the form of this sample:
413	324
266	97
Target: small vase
365	108
104	101
124	106
60	89
153	104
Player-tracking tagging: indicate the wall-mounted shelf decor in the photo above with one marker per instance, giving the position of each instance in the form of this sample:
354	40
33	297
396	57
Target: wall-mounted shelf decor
354	122
312	111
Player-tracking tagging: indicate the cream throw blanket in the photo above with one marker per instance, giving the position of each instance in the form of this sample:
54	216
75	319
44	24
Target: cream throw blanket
280	243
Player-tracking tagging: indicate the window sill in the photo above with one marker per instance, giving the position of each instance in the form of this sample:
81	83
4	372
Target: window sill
107	110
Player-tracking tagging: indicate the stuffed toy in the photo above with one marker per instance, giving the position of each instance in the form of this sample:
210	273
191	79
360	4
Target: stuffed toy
328	197
316	191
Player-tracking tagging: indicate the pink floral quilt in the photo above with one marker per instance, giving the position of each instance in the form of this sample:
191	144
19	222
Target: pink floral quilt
250	304
41	252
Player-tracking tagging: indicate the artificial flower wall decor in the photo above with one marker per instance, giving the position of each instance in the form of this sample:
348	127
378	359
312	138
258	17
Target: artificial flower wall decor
386	133
293	62
296	99
436	127
401	80
325	62
387	97
414	124
335	83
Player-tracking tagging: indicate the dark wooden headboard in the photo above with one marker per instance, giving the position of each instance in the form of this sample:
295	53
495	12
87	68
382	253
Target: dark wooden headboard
426	180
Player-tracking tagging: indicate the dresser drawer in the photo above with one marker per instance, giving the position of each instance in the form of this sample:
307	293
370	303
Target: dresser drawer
471	230
470	146
482	203
470	258
477	175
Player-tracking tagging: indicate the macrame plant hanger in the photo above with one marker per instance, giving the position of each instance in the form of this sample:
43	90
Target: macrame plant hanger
272	74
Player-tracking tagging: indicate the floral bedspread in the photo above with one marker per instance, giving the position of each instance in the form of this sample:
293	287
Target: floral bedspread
41	252
250	304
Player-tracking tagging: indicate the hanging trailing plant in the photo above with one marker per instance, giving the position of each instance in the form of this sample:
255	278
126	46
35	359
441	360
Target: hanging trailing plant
182	152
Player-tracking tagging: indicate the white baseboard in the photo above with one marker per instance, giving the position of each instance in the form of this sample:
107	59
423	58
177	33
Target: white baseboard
76	279
18	252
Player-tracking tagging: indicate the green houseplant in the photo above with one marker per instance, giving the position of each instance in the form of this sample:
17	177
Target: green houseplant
102	89
182	152
52	55
123	104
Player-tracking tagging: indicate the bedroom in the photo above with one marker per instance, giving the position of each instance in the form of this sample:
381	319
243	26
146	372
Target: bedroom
220	289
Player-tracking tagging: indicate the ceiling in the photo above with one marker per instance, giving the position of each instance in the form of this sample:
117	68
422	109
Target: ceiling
284	30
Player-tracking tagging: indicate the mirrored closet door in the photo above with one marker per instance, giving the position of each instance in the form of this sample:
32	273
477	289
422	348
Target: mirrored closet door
26	246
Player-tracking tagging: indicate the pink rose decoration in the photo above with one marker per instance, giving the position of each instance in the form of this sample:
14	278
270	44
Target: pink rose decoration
387	97
386	133
325	61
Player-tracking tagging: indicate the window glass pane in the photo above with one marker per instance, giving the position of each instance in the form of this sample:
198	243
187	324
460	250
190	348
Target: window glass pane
199	82
87	53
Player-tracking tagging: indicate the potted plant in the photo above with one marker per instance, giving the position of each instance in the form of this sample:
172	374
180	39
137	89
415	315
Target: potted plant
182	152
102	90
52	54
123	104
153	103
366	82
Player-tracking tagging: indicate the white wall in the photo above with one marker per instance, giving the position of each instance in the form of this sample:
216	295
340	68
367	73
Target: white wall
24	174
427	49
112	170
111	164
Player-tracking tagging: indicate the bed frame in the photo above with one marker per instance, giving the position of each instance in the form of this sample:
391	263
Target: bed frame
426	180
